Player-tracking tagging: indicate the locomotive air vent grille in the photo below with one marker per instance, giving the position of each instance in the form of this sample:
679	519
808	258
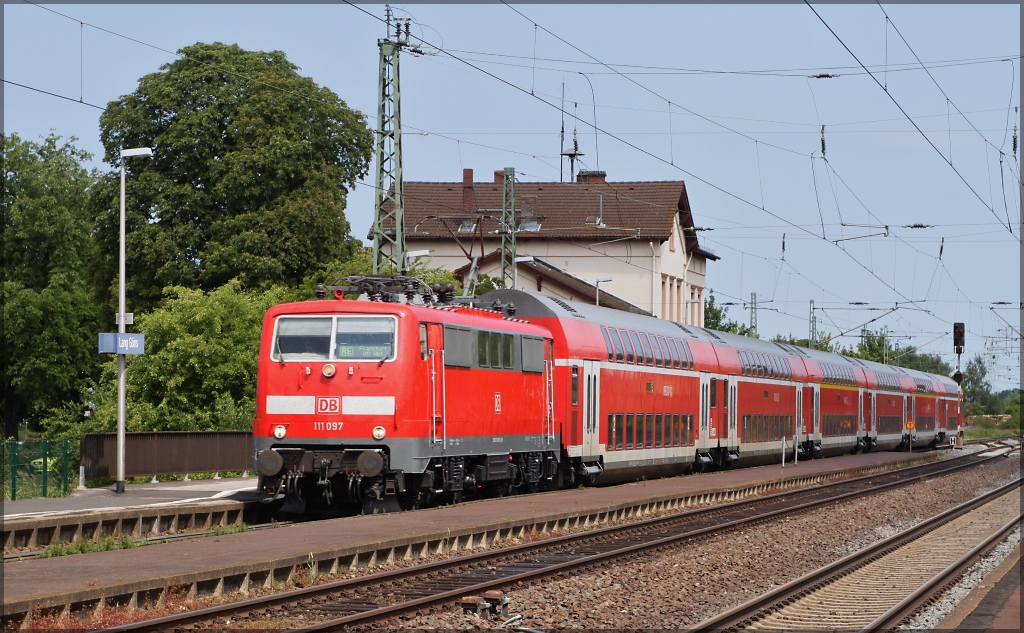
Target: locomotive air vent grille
712	334
567	307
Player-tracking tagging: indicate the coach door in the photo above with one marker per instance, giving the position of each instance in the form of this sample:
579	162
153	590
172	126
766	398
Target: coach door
730	397
815	412
799	426
435	365
704	439
591	408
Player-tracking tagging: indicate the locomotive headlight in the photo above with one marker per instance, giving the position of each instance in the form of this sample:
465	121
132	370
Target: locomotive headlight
379	432
328	370
279	431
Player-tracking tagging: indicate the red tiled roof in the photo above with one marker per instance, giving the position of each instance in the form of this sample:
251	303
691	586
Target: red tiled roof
641	209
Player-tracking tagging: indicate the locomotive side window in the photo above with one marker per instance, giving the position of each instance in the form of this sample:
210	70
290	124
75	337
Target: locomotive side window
507	350
533	355
302	339
483	349
628	345
496	349
458	346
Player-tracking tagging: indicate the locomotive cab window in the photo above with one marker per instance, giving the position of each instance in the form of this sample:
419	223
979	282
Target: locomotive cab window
364	338
302	338
334	338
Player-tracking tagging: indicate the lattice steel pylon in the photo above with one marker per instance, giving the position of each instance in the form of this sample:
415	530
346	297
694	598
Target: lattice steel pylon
753	313
389	224
508	228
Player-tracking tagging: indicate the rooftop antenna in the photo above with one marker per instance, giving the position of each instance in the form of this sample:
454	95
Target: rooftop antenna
561	138
573	153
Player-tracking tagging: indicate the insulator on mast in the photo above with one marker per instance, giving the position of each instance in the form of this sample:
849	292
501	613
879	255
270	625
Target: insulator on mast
823	141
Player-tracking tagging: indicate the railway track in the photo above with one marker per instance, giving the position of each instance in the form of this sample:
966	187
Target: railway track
882	585
389	594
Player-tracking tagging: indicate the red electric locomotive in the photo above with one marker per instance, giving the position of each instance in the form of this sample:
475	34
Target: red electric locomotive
406	398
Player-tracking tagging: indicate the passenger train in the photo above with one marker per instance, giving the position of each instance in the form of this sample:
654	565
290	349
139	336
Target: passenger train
408	398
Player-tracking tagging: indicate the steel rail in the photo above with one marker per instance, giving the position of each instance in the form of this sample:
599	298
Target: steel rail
758	607
384	579
936	584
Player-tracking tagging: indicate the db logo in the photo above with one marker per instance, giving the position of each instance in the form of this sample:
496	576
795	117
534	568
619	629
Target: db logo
331	404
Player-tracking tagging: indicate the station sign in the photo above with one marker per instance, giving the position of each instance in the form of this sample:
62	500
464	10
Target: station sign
114	343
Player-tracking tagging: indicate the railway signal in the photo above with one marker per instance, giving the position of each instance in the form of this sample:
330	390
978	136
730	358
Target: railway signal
958	347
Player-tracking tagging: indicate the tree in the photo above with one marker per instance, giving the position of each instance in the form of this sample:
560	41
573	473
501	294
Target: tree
50	314
199	369
878	347
978	396
252	165
716	318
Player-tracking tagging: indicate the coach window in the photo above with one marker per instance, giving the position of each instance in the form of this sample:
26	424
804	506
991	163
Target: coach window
640	360
618	431
608	344
714	393
672	352
617	344
658	431
725	393
666	356
575	386
610	445
649	431
658	359
629	431
675	429
648	355
682	354
627	345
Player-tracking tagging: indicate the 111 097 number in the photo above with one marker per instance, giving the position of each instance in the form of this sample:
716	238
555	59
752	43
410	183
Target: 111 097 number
327	426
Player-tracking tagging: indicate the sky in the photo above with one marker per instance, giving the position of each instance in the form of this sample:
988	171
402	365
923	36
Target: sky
919	104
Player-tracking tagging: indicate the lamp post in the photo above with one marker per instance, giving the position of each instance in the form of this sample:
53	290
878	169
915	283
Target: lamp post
597	284
686	310
121	319
515	270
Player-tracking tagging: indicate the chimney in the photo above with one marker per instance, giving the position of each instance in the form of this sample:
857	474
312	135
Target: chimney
468	199
499	176
590	176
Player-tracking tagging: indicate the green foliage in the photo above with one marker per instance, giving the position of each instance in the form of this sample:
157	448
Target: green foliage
716	318
823	342
252	164
976	388
50	318
199	370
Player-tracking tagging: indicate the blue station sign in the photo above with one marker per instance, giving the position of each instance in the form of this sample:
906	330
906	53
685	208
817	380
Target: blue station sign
122	343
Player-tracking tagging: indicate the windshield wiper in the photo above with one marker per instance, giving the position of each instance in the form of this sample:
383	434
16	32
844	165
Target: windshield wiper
381	361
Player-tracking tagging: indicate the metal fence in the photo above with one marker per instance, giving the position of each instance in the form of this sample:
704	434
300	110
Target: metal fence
167	453
36	469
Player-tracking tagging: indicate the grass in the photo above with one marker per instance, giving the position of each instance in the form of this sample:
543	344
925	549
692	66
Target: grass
985	427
